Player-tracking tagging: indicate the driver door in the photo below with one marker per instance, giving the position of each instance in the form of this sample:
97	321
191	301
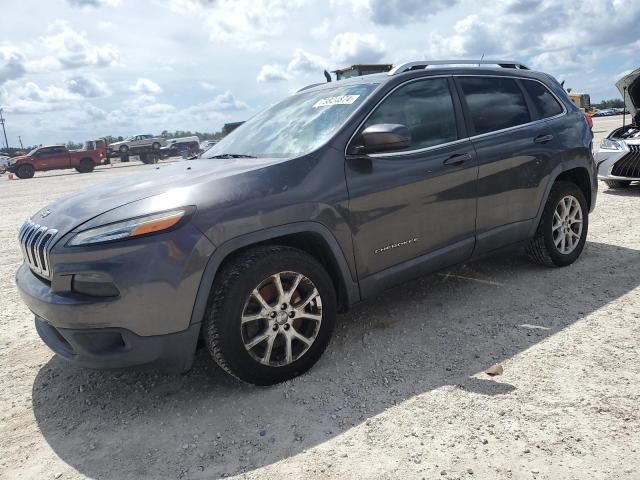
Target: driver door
413	210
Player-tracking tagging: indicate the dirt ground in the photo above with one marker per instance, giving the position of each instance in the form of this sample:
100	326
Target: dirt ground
400	392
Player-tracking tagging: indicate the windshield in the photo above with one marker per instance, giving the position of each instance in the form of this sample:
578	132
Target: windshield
297	125
33	151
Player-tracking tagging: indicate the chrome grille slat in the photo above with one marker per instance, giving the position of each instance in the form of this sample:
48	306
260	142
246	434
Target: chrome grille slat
629	165
35	243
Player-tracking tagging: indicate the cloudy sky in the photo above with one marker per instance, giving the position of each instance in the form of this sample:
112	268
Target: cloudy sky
80	69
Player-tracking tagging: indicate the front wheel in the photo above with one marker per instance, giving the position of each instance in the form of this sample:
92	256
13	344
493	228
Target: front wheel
617	183
124	148
271	315
155	146
25	171
562	232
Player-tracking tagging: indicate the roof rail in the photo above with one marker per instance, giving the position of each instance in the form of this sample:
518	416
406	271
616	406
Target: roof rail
421	65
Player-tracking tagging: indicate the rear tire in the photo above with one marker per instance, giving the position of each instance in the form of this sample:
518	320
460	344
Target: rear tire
295	321
123	148
559	239
25	171
617	183
86	166
155	146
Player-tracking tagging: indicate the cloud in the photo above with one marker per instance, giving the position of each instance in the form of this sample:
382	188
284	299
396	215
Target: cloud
272	73
64	48
245	23
301	63
12	64
305	62
208	85
348	48
93	3
30	98
88	86
400	12
145	86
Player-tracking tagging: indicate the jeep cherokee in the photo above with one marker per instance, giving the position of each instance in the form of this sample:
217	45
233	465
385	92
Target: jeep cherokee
327	198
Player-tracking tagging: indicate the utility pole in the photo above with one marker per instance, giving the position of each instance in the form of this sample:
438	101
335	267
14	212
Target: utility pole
20	140
6	143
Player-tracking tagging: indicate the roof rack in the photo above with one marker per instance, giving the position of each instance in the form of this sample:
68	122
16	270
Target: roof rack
421	65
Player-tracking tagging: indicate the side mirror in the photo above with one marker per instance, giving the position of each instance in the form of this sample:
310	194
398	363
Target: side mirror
384	137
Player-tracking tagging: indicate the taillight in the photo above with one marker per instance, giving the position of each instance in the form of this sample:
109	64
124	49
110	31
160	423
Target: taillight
589	119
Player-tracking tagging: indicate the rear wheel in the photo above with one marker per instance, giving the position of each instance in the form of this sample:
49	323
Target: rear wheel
86	166
155	146
25	171
271	315
123	148
562	231
617	183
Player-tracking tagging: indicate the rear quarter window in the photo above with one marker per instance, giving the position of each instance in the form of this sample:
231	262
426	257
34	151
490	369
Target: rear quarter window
543	100
494	103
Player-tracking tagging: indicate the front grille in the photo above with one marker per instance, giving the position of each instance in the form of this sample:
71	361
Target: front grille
629	165
35	242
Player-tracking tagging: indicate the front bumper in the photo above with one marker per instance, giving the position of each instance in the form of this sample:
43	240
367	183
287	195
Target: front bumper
606	161
118	348
150	321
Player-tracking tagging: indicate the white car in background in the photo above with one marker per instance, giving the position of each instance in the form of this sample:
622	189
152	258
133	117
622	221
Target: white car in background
618	158
137	141
4	162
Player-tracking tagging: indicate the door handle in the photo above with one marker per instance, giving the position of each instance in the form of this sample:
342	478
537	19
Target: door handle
457	159
543	139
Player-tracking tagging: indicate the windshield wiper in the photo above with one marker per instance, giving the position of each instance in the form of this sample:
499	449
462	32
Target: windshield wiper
232	155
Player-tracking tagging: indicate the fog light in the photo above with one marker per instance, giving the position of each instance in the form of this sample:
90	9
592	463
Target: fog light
94	285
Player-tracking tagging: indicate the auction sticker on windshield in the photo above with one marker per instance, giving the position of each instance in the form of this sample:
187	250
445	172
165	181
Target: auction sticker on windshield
339	100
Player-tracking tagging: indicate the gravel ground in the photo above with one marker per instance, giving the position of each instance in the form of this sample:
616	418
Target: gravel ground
400	392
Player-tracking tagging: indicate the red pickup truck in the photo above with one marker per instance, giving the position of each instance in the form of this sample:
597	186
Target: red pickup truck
56	157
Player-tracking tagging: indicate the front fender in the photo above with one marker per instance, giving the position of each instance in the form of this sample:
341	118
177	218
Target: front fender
242	241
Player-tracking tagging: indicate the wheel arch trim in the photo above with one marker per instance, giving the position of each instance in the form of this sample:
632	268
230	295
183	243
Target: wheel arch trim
553	177
227	248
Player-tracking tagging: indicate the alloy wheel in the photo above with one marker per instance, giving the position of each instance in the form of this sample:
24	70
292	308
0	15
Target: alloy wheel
281	319
567	224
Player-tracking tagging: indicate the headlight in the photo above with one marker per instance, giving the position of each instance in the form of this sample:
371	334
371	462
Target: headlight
135	227
610	144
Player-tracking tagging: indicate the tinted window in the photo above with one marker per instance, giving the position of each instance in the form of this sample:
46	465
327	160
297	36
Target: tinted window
542	98
425	107
494	103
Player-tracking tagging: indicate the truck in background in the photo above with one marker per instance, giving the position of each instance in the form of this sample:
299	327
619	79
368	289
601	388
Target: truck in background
58	157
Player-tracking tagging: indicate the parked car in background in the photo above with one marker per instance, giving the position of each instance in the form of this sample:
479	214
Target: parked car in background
207	144
253	248
618	158
56	157
184	147
4	162
137	141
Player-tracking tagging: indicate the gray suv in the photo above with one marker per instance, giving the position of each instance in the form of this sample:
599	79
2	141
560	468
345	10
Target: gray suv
327	198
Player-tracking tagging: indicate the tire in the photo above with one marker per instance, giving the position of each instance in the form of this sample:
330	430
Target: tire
543	248
86	166
25	171
617	183
228	339
155	146
123	148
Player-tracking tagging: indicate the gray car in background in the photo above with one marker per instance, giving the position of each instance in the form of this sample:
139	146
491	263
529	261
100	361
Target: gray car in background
325	199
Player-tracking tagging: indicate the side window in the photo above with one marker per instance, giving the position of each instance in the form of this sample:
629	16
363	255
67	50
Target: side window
425	108
43	152
542	98
494	103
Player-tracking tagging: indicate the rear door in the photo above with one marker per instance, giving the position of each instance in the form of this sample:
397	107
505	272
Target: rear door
407	204
515	151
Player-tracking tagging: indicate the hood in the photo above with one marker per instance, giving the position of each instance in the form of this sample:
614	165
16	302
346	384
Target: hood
629	88
69	212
